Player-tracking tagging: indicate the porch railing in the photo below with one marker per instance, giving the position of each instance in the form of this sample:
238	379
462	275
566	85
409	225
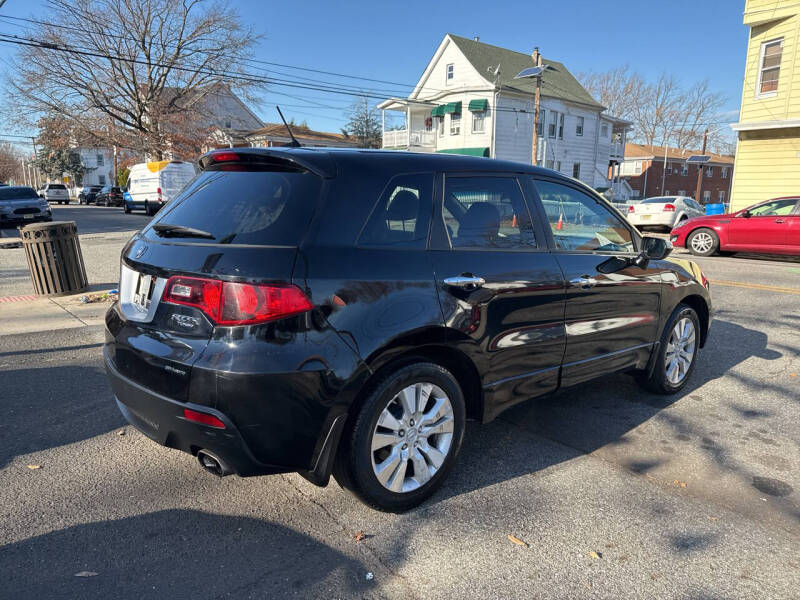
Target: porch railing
399	138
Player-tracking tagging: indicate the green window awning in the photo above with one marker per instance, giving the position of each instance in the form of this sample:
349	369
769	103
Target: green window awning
438	111
479	105
452	108
467	151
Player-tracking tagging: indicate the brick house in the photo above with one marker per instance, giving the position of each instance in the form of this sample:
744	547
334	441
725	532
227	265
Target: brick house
643	167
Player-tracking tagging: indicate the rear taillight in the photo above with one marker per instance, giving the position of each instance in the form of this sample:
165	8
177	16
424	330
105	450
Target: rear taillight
631	209
669	208
159	195
229	303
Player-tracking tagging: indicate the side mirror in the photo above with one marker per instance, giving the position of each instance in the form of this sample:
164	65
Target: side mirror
654	248
745	213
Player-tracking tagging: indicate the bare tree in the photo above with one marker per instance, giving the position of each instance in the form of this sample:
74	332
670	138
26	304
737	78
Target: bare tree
135	73
10	163
662	112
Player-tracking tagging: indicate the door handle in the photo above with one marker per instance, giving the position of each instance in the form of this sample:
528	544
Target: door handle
465	282
584	282
779	220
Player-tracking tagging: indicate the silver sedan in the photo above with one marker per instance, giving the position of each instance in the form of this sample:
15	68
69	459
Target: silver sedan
664	212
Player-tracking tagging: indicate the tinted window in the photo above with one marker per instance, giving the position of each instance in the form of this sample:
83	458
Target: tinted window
659	200
775	208
56	186
17	193
579	222
402	214
239	207
487	212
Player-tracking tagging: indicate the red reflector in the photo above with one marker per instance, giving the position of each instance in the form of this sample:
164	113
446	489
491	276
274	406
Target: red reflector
224	156
228	303
669	208
631	209
203	418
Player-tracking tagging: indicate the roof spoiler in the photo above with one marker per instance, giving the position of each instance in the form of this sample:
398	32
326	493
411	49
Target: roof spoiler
319	163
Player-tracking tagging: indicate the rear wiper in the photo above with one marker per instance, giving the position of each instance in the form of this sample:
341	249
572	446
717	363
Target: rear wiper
166	230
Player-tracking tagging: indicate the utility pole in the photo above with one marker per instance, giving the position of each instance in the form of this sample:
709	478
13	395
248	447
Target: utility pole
700	169
537	59
664	170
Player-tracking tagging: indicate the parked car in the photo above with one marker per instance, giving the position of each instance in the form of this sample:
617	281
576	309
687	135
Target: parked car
771	227
54	192
88	194
345	312
663	212
75	192
151	185
109	196
22	203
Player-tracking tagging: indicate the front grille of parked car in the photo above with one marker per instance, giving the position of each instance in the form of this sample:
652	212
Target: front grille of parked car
26	210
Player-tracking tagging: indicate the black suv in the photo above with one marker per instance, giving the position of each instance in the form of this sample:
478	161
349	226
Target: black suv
345	312
109	196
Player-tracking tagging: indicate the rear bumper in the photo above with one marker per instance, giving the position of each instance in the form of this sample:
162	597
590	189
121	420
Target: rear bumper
162	420
654	220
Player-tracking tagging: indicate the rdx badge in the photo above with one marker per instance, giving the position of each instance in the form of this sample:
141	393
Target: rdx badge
185	321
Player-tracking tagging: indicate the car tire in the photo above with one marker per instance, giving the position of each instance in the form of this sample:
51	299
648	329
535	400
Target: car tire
384	417
677	353
703	242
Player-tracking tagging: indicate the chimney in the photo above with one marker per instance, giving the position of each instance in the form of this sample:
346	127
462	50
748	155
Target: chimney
535	56
477	39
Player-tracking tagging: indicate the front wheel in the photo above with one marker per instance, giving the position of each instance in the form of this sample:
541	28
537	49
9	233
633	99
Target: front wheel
677	352
702	242
405	438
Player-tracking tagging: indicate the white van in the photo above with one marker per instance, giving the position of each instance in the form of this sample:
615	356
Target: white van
152	184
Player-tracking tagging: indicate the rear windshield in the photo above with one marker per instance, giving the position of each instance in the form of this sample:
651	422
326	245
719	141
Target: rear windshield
56	186
17	193
242	207
659	200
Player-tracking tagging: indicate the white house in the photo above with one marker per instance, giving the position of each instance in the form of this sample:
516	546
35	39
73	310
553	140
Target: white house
99	165
469	102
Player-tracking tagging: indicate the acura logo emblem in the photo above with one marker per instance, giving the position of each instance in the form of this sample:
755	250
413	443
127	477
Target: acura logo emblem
140	252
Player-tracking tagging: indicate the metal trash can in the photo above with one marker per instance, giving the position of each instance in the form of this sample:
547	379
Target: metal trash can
54	258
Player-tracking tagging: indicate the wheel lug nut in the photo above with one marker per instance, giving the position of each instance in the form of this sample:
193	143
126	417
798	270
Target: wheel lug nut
412	422
402	433
405	446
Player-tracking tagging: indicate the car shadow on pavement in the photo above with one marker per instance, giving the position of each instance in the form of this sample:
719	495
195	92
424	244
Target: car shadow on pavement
180	554
52	406
546	431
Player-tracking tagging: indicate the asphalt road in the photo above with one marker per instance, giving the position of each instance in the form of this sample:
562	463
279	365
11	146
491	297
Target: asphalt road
693	496
91	219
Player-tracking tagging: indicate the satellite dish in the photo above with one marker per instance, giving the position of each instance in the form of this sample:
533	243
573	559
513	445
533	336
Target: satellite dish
531	72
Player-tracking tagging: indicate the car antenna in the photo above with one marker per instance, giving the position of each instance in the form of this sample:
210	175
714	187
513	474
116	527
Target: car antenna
294	143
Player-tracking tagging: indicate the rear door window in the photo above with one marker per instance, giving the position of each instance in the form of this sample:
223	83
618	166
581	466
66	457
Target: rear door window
487	212
402	215
266	208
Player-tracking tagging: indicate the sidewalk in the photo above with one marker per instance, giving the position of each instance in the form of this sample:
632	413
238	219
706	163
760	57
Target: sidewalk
24	315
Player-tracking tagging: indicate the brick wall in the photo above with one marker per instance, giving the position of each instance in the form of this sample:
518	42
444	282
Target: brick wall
677	184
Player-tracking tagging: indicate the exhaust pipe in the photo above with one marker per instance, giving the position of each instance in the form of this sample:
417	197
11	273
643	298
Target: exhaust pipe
213	464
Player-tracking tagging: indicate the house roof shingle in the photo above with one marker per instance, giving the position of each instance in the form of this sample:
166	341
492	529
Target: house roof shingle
278	130
648	151
557	81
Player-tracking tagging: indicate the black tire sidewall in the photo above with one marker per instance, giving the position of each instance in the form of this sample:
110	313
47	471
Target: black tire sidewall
658	380
714	246
361	473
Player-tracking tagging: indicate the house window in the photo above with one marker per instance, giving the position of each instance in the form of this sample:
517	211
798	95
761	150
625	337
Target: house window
579	126
666	192
450	72
561	126
101	179
681	192
709	171
549	164
455	124
100	160
558	165
769	67
724	172
576	170
441	126
721	197
634	193
684	169
542	119
478	118
604	130
669	168
637	167
552	125
706	197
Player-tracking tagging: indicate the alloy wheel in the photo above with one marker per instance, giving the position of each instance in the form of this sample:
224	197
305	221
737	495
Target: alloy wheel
680	351
702	242
412	438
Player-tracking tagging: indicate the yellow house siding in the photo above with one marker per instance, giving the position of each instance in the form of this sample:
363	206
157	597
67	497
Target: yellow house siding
767	166
787	99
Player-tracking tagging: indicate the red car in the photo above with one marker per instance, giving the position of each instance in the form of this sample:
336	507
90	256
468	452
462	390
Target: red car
772	227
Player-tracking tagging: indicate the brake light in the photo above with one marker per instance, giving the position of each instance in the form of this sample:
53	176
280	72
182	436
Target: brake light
229	303
631	209
669	208
224	156
203	418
